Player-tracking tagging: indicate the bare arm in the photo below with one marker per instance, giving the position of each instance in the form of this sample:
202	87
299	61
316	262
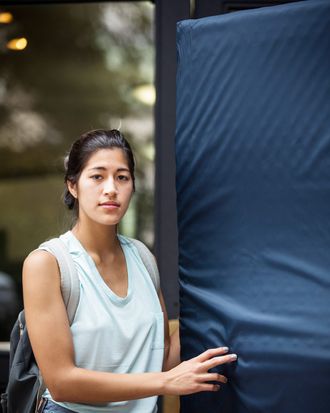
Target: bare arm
52	345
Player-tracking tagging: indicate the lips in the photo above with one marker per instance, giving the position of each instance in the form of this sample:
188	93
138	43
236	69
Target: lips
110	204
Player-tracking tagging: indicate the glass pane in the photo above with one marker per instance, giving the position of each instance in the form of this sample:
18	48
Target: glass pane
67	69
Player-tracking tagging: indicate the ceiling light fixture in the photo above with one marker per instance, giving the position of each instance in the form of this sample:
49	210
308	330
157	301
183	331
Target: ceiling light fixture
6	17
17	44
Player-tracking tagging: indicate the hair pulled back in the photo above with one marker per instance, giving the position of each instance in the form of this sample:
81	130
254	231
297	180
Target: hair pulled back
83	148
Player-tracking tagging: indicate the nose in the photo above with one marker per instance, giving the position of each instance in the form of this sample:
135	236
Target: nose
110	187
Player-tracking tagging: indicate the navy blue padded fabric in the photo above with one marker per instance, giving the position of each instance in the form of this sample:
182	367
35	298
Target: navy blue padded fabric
253	200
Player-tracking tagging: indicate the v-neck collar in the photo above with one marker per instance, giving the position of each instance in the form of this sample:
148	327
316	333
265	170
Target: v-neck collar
99	279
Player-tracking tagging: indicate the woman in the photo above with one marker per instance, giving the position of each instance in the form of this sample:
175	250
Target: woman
117	355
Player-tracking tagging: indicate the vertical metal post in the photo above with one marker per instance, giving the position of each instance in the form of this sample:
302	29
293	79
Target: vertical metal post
168	12
206	8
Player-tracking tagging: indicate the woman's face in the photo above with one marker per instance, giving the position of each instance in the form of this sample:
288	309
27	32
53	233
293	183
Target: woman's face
104	188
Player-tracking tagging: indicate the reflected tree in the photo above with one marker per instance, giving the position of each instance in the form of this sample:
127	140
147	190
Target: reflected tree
77	73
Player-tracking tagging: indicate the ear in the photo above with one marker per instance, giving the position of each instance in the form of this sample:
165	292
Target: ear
72	188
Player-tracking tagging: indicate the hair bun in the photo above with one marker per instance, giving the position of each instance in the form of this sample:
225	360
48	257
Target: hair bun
68	199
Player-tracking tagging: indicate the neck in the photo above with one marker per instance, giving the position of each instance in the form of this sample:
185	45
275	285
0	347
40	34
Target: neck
98	240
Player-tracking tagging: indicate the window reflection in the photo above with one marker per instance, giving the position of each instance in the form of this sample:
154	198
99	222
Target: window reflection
69	69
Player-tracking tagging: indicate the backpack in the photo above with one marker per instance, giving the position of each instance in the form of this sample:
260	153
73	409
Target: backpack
25	385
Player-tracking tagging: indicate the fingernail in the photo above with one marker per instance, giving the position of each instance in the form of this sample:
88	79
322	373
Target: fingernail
225	348
233	356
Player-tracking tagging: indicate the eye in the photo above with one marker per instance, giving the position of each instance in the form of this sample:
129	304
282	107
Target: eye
123	178
96	177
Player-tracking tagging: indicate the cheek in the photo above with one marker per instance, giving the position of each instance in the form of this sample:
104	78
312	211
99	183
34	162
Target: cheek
87	192
128	193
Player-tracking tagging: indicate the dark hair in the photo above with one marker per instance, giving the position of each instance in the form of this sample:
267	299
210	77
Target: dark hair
83	148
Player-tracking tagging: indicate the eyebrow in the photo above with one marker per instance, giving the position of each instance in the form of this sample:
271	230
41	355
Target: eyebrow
102	168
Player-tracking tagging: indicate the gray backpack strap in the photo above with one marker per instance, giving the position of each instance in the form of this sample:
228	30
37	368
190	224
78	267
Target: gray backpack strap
70	285
149	261
70	288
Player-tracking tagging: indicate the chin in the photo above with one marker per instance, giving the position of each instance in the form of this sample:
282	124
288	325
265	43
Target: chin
110	222
107	221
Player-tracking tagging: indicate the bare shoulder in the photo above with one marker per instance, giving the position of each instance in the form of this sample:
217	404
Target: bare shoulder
39	260
40	264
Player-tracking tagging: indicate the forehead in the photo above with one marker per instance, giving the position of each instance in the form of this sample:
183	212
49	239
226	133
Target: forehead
107	158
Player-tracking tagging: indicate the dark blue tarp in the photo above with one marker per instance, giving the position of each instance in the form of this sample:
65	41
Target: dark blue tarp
253	200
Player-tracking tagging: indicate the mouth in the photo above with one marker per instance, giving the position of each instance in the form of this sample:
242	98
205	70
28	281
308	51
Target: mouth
110	205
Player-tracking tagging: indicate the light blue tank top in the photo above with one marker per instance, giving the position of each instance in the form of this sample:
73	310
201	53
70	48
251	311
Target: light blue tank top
116	334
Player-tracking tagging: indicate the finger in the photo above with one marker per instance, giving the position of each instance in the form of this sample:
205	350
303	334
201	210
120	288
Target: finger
216	361
211	352
210	387
212	377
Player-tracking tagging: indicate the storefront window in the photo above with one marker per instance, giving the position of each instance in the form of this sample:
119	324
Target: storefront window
67	69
